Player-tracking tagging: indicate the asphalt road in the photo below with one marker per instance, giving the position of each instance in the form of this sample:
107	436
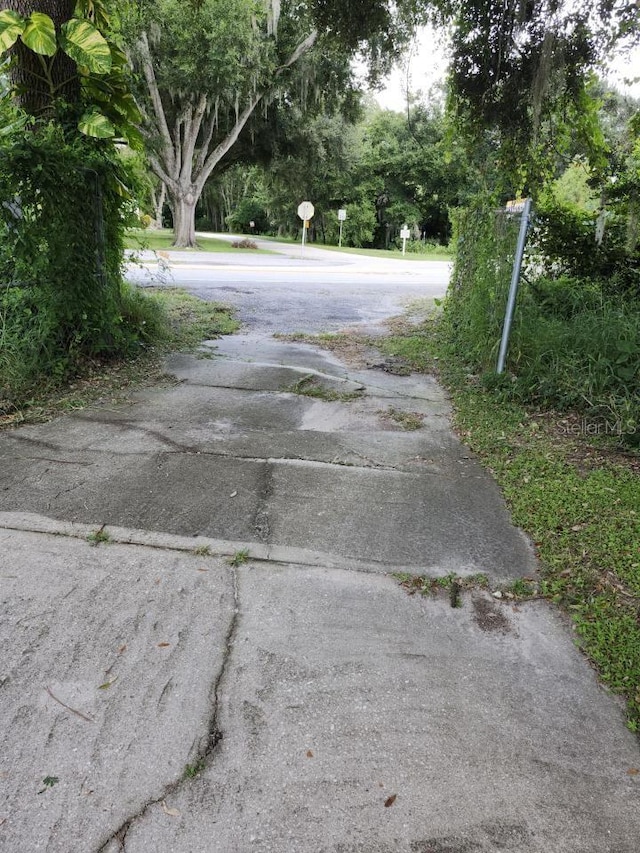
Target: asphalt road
297	289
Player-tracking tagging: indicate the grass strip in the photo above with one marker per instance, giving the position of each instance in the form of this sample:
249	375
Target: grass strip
162	240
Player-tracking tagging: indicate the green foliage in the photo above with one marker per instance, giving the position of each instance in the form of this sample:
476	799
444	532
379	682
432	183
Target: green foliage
248	217
563	239
521	78
381	167
62	219
101	68
575	340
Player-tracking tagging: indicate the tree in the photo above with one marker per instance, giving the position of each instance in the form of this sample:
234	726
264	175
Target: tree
207	69
520	75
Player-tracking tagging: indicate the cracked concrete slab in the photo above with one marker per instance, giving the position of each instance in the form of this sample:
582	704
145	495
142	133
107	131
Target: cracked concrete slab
108	660
192	459
319	708
358	718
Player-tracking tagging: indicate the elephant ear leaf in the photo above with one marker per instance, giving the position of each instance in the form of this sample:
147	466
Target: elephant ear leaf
94	123
40	34
86	46
11	28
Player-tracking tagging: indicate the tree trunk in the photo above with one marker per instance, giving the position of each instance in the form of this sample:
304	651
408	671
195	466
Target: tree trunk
37	93
184	220
159	196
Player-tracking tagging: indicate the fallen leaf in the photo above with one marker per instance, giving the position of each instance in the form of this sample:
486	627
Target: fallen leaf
107	684
309	754
203	570
122	649
163	645
170	812
633	771
233	494
390	801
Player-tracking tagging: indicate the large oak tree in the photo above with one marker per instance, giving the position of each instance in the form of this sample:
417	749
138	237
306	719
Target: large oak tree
210	68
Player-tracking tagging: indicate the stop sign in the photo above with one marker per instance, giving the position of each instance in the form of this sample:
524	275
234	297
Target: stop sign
305	210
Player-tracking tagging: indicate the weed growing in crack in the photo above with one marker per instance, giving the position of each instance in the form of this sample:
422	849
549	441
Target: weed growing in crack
405	420
203	551
192	770
239	558
98	537
452	583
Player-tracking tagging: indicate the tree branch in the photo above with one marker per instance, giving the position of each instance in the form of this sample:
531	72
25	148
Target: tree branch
156	100
204	148
302	48
191	131
160	171
232	137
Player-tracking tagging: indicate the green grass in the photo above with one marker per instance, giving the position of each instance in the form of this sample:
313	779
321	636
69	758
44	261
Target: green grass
139	238
239	558
578	501
192	320
439	254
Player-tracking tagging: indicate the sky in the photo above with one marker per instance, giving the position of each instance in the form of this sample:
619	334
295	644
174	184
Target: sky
427	65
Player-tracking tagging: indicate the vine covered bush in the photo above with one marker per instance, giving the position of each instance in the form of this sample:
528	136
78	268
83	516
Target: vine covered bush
63	210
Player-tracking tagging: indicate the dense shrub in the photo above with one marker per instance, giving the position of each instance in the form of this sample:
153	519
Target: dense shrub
63	210
575	340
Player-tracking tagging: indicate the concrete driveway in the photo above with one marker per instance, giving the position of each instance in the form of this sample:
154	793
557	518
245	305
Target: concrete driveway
205	647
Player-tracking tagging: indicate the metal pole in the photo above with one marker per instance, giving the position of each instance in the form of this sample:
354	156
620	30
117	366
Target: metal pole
513	289
340	240
304	231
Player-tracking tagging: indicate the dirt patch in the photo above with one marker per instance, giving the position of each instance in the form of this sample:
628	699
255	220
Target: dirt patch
489	616
356	349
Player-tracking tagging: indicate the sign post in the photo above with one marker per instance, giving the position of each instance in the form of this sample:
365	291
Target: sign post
522	206
342	215
405	233
305	212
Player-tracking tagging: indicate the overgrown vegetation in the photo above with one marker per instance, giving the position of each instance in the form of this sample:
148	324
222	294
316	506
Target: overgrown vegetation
170	318
575	342
62	297
576	495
